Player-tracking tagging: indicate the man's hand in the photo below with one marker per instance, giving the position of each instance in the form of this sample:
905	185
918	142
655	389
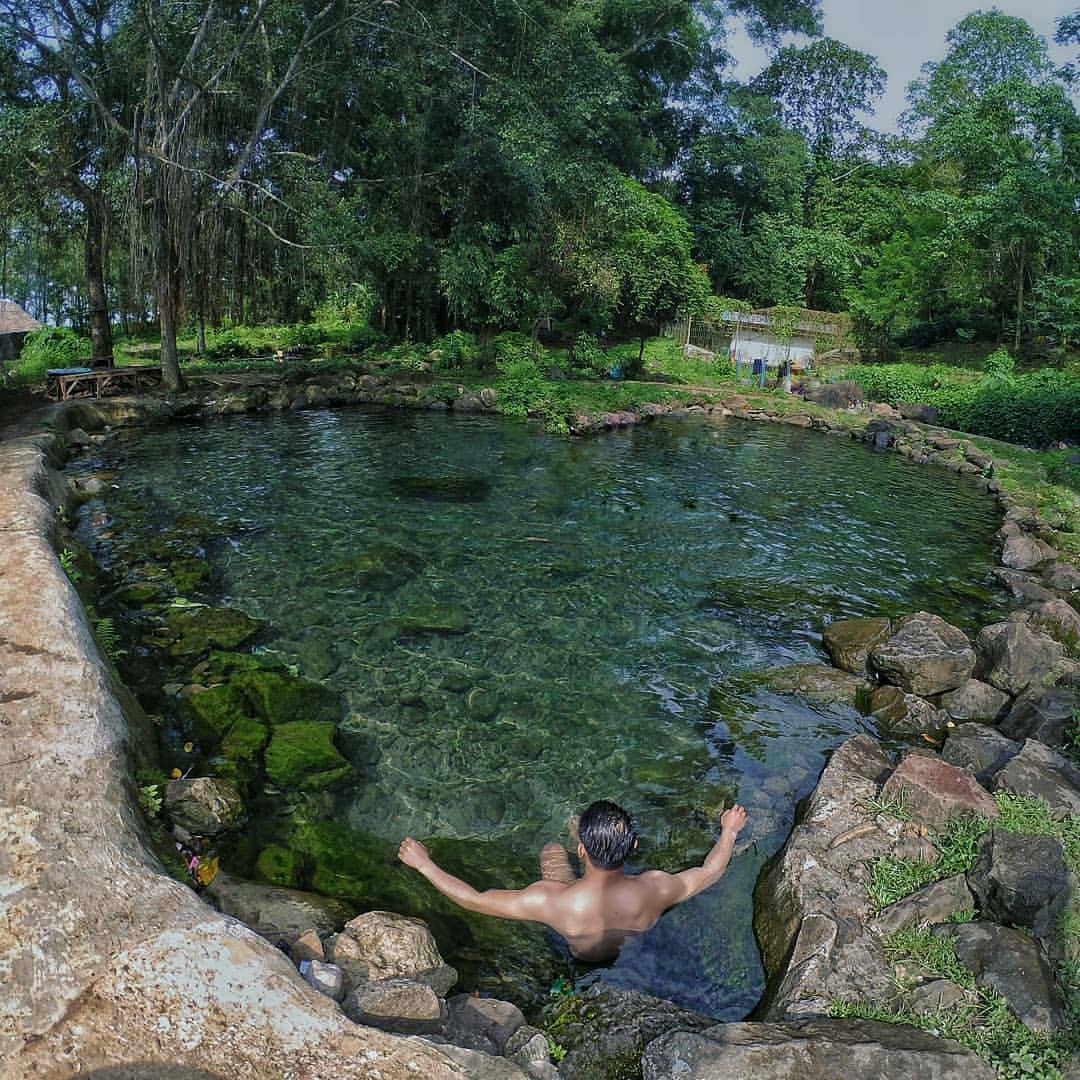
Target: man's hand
733	819
413	853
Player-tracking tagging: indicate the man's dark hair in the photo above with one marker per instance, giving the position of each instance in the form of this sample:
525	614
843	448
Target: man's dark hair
607	833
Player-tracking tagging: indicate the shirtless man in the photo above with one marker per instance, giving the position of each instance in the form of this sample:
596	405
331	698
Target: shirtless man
597	911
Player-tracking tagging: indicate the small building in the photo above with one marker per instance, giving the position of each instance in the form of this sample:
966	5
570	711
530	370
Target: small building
15	324
755	337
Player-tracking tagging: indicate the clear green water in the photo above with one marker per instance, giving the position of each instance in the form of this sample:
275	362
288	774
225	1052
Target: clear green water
608	601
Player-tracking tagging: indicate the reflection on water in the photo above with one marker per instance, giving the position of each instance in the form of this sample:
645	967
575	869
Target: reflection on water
522	624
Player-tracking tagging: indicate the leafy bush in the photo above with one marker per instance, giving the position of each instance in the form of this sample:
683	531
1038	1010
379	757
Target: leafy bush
51	347
347	307
1032	410
455	351
588	358
511	348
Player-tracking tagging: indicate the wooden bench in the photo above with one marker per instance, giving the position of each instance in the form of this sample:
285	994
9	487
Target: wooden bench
65	383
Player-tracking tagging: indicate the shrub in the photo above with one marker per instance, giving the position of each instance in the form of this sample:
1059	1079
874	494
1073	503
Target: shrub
511	348
587	356
455	351
51	347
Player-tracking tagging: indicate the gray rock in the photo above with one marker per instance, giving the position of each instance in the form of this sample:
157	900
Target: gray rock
610	1027
1040	772
836	395
1022	552
849	641
1058	619
910	410
1061	576
205	806
381	945
980	749
401	1005
936	995
933	903
1041	714
974	700
277	913
1013	657
925	656
1011	963
328	979
77	437
478	1066
934	791
480	1023
528	1049
1021	880
1025	587
898	713
806	1049
818	682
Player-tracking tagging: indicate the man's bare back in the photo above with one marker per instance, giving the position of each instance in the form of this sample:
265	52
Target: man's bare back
596	912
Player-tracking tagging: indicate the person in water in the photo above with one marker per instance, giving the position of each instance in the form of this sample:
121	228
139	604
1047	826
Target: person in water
596	912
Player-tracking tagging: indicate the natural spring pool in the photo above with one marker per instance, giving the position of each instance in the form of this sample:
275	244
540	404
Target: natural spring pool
520	624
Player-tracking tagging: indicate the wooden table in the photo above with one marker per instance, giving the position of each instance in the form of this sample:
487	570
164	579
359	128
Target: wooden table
65	383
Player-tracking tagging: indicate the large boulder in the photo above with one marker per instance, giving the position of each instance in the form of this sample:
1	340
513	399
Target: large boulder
401	1005
849	641
381	945
811	905
934	903
925	655
303	755
933	791
1021	880
804	1049
1022	552
605	1029
277	913
1058	619
980	749
898	713
975	701
1043	774
1040	714
204	806
818	682
1011	963
1013	657
482	1023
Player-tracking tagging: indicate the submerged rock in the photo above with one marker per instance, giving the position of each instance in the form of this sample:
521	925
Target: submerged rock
303	755
195	629
818	682
204	806
849	641
443	488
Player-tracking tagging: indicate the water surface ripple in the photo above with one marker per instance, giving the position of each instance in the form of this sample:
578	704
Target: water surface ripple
521	624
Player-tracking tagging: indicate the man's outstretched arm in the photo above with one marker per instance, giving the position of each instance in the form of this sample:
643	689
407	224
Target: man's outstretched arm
679	887
528	903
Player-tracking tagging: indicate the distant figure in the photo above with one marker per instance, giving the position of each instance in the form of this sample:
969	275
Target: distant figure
598	911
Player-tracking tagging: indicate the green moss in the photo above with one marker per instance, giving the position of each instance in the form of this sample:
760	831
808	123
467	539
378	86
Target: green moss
208	716
242	749
302	755
188	574
281	866
195	629
143	594
379	563
282	698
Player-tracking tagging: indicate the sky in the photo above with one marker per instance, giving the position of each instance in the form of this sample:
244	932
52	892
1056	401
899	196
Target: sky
904	36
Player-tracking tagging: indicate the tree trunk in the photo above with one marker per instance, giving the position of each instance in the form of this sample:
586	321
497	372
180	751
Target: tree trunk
1019	302
167	315
100	325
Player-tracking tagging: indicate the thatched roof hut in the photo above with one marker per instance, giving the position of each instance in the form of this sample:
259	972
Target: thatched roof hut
15	324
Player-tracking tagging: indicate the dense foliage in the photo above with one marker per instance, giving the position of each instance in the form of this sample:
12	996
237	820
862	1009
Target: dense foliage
527	165
1036	410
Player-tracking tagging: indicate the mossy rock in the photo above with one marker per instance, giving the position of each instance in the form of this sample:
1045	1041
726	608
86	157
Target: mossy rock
434	619
374	564
226	663
302	755
280	866
188	574
242	748
208	716
195	629
442	488
283	699
144	594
